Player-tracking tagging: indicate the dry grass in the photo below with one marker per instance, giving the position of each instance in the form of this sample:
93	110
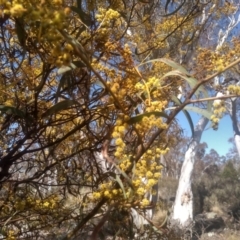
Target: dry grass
167	187
217	209
159	217
227	234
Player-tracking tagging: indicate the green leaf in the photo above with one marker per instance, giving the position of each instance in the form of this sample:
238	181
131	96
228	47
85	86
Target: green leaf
97	82
174	65
65	69
185	112
200	111
162	224
121	185
65	84
59	107
189	79
209	105
176	100
20	31
62	82
139	117
169	63
188	116
179	71
73	65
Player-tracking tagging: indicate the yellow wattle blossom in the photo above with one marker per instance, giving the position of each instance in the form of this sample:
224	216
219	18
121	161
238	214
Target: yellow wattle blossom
151	182
219	110
145	202
96	195
57	2
149	174
17	10
46	204
107	193
157	175
9	103
234	89
141	191
119	141
137	182
10	235
115	191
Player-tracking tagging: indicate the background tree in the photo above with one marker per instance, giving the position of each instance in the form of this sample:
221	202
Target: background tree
184	198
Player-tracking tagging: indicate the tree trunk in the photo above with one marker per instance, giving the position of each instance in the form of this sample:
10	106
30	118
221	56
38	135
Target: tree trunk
232	109
183	206
237	142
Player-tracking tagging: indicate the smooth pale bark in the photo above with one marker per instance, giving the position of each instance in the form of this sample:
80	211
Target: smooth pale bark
183	206
237	142
232	109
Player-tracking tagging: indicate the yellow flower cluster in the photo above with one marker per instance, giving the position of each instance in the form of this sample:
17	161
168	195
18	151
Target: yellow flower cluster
118	134
36	11
107	190
31	73
126	53
148	123
61	55
37	204
148	169
15	9
147	174
145	202
10	235
50	17
9	103
219	110
110	46
119	87
107	15
233	89
220	64
152	92
147	85
157	106
210	61
105	18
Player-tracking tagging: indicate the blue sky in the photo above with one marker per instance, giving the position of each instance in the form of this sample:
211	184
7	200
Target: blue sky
217	140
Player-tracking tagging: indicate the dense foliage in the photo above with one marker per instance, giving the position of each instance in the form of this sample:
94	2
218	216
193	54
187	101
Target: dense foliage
83	81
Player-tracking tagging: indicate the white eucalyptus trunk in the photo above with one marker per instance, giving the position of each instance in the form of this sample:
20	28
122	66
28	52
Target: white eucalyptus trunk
183	206
237	142
232	109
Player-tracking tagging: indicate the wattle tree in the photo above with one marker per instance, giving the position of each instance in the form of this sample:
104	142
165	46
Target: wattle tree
83	79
